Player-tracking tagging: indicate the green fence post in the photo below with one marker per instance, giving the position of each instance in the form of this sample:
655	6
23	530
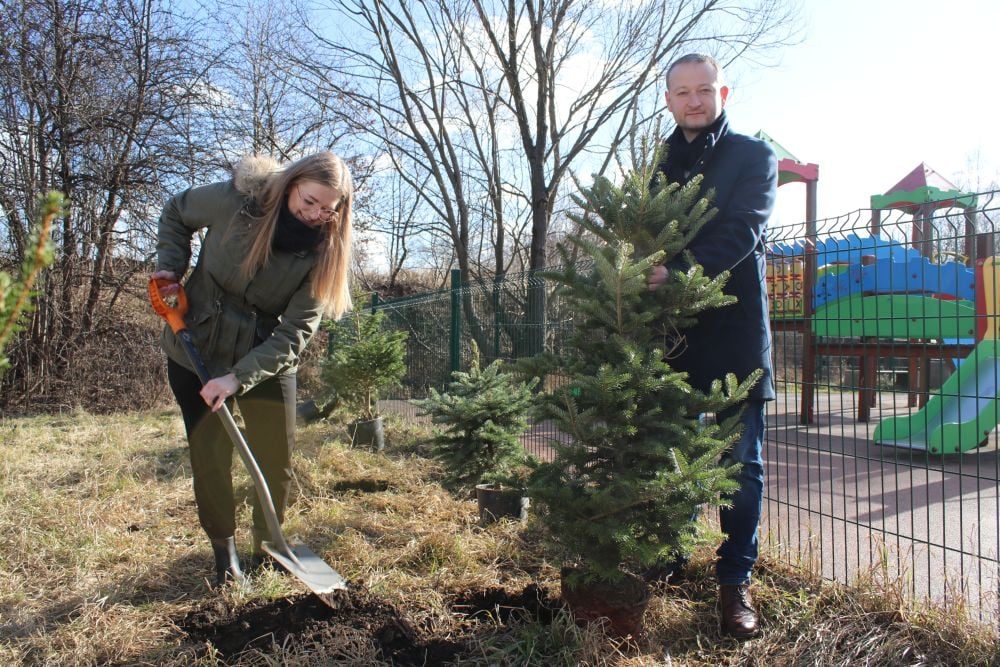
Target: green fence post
497	282
375	302
456	317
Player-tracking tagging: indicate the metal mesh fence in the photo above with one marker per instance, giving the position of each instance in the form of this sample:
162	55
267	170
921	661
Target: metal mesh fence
882	456
443	326
881	453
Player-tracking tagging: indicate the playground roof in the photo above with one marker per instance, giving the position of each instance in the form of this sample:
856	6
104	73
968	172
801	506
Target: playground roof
790	168
923	187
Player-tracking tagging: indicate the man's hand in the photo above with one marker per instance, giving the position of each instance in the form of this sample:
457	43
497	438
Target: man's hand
216	391
657	276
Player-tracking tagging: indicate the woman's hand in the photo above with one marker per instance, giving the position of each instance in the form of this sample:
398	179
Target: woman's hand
216	391
166	290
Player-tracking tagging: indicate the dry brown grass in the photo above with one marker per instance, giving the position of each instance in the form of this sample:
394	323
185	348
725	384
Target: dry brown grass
101	557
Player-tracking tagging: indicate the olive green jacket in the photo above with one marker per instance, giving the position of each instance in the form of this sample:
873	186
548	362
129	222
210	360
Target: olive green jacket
253	327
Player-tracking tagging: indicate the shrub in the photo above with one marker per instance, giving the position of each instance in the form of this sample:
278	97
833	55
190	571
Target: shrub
15	293
366	359
484	412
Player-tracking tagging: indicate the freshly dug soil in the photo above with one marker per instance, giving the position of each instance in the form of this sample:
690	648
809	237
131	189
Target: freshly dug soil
500	606
359	625
355	625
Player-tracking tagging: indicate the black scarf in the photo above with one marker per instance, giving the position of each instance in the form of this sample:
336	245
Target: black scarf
293	235
685	159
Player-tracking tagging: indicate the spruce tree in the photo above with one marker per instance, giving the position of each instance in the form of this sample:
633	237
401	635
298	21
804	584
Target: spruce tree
366	359
484	412
640	462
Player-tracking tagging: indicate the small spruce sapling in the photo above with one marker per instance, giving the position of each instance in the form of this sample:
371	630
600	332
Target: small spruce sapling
366	360
15	292
623	492
483	412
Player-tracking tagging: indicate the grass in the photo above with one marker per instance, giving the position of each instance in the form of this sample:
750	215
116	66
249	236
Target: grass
101	557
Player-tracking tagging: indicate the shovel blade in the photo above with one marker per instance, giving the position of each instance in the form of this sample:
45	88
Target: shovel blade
308	568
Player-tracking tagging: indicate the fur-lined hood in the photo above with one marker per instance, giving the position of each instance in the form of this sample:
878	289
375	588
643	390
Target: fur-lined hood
252	172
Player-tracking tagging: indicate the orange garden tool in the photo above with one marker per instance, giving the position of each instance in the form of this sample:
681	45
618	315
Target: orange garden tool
299	560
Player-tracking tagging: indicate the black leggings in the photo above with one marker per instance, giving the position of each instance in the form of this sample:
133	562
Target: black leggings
268	412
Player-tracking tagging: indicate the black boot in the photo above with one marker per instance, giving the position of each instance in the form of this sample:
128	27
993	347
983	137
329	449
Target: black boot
227	563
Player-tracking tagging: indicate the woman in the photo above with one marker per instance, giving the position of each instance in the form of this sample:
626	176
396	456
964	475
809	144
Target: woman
274	258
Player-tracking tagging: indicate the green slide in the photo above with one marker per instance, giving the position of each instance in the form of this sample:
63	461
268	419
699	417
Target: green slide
959	415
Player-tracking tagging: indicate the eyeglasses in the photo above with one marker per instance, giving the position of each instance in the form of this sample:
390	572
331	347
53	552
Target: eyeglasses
326	212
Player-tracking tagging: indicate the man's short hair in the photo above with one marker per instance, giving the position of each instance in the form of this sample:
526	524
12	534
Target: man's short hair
695	58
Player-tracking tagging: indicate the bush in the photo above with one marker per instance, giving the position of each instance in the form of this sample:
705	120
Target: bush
366	360
15	293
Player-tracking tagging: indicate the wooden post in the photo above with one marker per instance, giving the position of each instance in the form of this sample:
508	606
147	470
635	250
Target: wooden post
806	410
868	364
970	237
985	245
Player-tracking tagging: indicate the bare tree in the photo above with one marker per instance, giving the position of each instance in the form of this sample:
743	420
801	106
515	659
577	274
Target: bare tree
88	92
458	85
496	100
118	103
423	121
264	102
395	229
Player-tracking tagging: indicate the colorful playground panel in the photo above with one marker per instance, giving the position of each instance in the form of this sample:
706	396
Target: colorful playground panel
902	295
784	287
896	316
847	250
917	275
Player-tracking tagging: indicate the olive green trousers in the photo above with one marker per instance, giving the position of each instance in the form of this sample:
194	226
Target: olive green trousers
268	412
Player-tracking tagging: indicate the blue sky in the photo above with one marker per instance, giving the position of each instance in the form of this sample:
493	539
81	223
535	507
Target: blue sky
874	88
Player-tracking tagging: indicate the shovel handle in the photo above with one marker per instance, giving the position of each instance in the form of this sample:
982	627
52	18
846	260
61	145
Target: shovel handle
174	316
175	319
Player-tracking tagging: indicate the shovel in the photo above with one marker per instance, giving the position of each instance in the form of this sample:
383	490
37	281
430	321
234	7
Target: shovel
299	560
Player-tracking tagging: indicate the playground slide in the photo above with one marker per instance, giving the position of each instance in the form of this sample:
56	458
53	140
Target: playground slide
959	415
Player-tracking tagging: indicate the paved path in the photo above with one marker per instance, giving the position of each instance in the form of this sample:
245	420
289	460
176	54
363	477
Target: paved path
850	507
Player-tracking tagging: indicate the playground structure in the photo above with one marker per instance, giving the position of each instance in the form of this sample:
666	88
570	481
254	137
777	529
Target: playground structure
895	293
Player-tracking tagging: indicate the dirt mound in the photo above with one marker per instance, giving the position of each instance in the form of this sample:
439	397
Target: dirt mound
355	625
499	605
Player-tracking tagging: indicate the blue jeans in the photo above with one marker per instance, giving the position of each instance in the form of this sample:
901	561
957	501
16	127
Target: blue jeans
738	552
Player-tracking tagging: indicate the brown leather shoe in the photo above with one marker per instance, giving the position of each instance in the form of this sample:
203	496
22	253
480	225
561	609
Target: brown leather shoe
737	617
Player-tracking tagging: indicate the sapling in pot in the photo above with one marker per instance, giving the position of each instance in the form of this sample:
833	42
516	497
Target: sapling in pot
366	359
482	413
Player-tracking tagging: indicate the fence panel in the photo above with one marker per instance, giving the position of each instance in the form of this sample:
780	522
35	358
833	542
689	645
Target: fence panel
882	453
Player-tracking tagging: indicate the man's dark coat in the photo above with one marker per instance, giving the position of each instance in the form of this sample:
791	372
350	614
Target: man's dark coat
743	172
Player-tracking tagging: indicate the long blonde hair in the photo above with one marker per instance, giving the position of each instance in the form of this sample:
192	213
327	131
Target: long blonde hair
330	284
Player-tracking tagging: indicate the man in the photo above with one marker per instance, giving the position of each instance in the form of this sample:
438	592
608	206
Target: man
742	171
